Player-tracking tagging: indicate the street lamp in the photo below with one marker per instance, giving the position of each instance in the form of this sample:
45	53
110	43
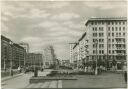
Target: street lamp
96	70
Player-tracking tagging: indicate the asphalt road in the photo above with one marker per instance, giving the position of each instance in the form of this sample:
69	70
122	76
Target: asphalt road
105	80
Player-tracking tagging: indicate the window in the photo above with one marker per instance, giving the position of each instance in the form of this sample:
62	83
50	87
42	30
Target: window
108	23
109	45
113	51
102	51
119	23
99	45
99	40
116	23
102	40
112	28
123	34
108	34
123	23
117	34
92	23
112	40
119	28
123	28
113	45
93	29
102	23
94	52
99	51
109	51
95	34
109	40
95	23
112	34
108	28
94	46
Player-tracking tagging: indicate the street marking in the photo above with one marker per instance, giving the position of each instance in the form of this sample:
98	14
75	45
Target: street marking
45	85
53	84
60	84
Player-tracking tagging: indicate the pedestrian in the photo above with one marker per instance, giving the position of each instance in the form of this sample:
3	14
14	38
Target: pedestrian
11	72
19	69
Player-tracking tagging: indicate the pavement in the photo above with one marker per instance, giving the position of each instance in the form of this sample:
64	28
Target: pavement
11	77
105	80
20	80
49	84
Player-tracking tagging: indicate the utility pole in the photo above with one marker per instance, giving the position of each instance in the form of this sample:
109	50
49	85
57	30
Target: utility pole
96	70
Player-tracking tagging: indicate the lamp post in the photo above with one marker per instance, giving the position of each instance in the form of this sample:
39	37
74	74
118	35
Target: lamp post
96	70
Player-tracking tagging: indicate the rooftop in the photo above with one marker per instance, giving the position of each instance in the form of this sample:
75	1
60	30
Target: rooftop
106	19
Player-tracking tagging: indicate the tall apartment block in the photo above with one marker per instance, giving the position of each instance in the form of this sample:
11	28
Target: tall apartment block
105	39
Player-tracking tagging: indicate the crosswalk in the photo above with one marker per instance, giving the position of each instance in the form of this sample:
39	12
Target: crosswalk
48	84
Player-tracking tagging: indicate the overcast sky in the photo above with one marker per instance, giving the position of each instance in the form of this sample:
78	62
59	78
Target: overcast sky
52	22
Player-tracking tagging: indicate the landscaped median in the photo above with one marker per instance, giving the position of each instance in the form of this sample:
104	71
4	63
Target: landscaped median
54	75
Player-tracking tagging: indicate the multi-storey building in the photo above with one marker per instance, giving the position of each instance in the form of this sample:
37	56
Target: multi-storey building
110	35
6	52
49	56
12	54
105	40
34	59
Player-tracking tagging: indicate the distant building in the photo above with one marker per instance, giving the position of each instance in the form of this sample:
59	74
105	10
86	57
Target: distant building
25	46
34	59
71	51
49	56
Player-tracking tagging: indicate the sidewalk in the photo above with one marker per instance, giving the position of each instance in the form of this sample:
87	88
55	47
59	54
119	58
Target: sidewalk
48	84
11	77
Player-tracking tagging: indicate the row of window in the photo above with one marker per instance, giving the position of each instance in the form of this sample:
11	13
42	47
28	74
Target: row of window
96	34
100	45
100	40
116	28
100	51
120	40
96	28
117	40
116	34
109	23
109	51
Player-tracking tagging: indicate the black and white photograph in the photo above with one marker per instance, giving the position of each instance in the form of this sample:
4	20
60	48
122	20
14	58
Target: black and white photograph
63	44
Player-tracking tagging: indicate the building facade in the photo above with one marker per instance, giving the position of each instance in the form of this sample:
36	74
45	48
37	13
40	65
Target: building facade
34	59
49	57
12	54
25	46
105	40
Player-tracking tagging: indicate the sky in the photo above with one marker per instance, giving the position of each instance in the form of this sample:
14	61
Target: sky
56	23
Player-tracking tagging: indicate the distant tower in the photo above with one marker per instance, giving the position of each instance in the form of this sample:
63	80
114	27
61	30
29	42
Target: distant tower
25	46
